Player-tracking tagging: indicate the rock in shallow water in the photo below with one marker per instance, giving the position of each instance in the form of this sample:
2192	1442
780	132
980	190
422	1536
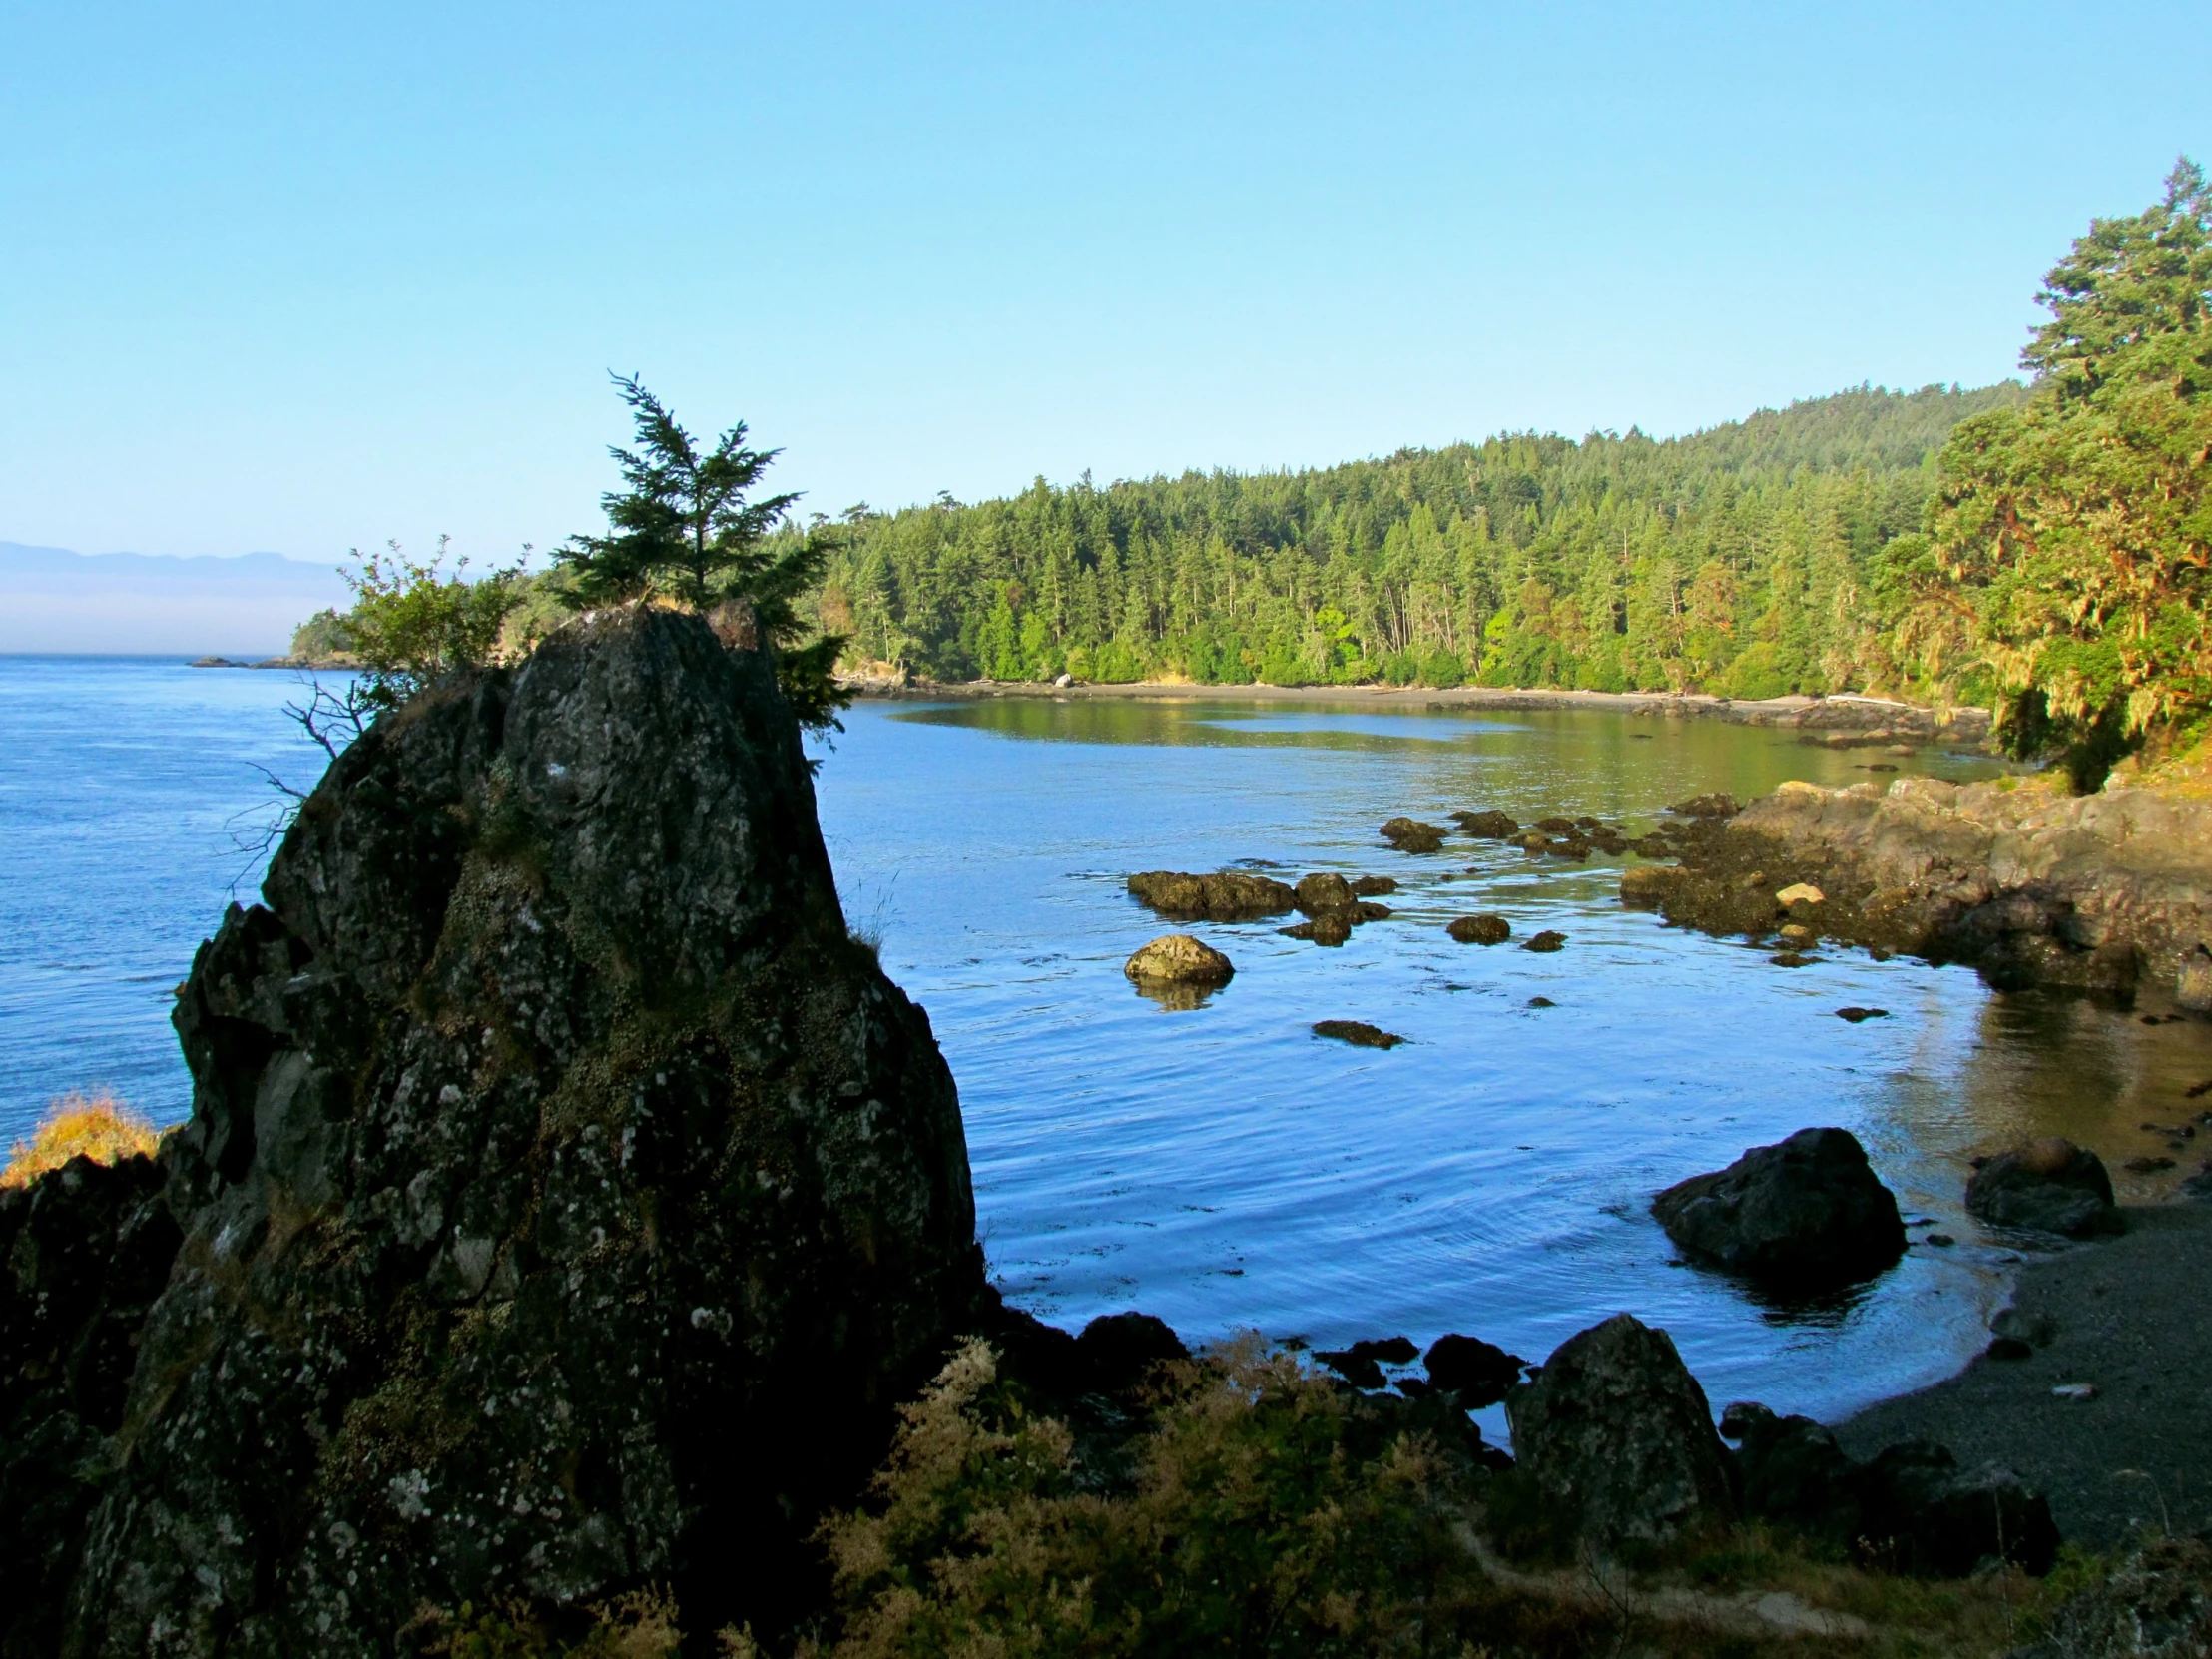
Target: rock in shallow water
1483	929
1179	959
1807	1212
1412	836
1479	1372
1357	1032
1227	896
567	1199
1490	824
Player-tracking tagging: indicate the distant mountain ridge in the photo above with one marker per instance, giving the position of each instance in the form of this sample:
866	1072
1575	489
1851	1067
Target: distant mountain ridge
56	601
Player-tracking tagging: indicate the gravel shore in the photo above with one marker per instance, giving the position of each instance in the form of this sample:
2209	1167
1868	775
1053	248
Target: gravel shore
2129	1316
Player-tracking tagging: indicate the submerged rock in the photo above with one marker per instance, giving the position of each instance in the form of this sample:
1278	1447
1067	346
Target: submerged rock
1483	929
1806	1211
568	1200
1179	959
2051	1186
1616	1433
1231	895
1357	1032
1546	941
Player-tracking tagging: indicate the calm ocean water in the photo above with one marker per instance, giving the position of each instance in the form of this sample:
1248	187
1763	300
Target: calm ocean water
1220	1166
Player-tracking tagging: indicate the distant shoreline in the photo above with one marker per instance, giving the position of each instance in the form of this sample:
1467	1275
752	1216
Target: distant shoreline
1845	715
311	664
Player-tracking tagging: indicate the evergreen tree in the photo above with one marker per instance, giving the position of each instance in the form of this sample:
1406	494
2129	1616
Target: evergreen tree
684	529
2066	561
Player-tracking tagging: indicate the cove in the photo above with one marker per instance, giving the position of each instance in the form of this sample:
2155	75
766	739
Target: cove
1224	1169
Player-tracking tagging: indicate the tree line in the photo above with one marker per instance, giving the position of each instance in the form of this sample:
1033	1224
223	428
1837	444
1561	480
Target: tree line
1744	560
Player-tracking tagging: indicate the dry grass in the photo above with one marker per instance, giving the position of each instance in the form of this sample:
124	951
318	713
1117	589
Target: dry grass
97	1126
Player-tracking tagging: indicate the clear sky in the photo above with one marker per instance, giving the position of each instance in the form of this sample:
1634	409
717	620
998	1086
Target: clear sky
296	277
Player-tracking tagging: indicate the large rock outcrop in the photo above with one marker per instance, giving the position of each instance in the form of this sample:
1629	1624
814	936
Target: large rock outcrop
567	1199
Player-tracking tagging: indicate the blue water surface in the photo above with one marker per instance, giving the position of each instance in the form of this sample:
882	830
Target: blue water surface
1222	1166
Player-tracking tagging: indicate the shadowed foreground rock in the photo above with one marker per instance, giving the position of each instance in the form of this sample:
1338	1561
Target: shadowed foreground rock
1911	1504
1616	1433
1805	1213
566	1201
84	1251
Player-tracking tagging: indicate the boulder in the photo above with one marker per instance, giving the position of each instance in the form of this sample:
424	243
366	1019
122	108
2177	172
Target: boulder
1357	1032
1483	929
1616	1433
1479	1372
1556	825
1179	959
1805	1213
1374	886
1231	895
1545	942
1330	928
1412	836
2051	1186
1490	824
1794	1473
568	1199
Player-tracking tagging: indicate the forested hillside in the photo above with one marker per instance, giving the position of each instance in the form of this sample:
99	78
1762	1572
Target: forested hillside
1741	560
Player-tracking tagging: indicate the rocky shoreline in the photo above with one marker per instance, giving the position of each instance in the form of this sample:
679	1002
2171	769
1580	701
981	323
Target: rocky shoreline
2108	892
1847	719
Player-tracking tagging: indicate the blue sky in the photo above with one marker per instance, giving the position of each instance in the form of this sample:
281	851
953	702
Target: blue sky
304	277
